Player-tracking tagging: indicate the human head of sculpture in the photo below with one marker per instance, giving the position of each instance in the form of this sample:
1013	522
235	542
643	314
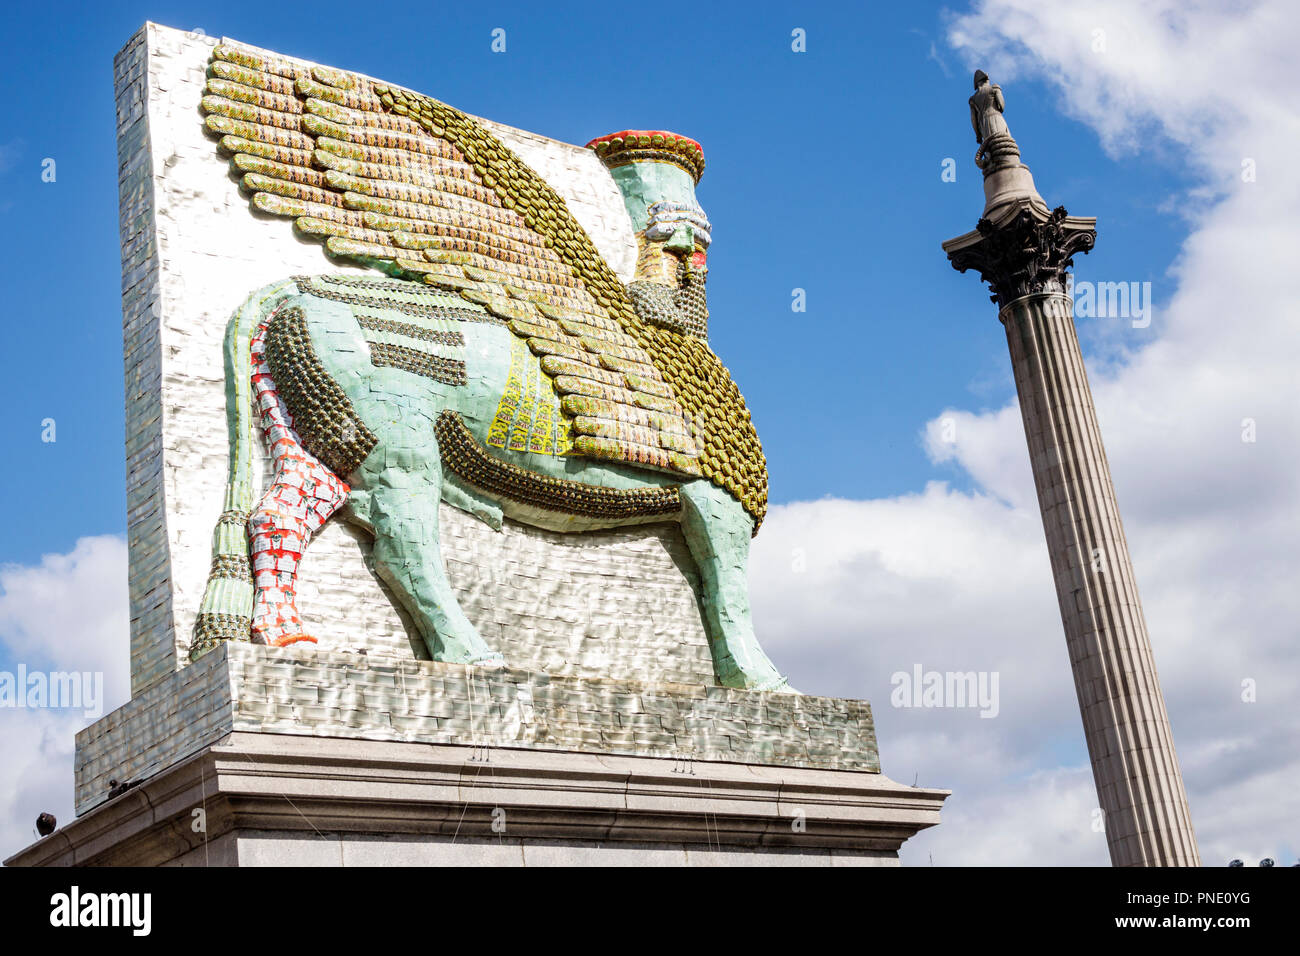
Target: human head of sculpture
980	78
656	171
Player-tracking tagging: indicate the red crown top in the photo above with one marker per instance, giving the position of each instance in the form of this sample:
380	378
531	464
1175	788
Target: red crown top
638	145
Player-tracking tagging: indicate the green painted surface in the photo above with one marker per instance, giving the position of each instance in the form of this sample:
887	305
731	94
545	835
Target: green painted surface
397	489
646	183
226	597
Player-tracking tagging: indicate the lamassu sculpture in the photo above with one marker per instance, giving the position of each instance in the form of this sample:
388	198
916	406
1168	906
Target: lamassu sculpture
494	361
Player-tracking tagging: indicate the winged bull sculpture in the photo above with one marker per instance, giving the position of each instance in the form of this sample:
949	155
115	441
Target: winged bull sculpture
493	360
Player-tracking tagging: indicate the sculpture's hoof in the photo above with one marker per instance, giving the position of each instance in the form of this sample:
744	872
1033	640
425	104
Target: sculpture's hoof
293	639
779	686
490	661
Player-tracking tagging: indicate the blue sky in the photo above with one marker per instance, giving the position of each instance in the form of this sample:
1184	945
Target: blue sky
823	174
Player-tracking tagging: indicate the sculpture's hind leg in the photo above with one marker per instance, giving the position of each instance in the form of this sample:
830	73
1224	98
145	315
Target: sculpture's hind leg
401	506
302	496
718	532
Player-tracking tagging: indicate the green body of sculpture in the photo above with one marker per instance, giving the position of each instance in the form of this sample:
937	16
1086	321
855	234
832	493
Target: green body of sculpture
322	337
499	365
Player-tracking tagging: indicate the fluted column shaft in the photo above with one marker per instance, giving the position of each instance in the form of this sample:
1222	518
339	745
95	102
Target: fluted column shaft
1130	744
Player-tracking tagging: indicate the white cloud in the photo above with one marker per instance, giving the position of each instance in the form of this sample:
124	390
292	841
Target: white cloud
68	613
955	581
1055	813
948	581
36	751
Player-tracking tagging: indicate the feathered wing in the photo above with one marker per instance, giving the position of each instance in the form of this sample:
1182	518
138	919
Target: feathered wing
418	189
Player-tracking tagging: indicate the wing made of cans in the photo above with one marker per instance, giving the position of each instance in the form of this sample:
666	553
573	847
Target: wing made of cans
411	186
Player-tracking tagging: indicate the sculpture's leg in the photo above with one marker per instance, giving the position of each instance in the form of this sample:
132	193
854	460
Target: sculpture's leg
718	532
402	508
301	498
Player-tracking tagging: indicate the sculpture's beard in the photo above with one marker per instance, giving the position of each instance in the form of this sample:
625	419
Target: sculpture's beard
683	309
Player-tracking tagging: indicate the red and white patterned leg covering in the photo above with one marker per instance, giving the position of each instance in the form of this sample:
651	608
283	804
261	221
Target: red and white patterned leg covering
300	499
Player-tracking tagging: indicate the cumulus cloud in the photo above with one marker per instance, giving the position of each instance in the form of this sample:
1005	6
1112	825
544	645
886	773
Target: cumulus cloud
1201	431
67	613
849	594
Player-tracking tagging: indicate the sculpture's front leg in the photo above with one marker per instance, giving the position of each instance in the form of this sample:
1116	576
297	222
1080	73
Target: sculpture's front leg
400	504
718	532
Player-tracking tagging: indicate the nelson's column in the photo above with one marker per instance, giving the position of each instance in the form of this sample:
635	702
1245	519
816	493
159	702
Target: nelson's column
1023	249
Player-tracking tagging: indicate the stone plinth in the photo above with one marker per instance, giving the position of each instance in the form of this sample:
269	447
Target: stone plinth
304	691
284	799
298	755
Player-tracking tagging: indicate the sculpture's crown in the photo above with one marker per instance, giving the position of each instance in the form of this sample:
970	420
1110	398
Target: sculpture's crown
635	145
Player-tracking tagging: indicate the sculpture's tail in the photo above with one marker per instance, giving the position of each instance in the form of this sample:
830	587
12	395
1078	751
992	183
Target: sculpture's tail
226	612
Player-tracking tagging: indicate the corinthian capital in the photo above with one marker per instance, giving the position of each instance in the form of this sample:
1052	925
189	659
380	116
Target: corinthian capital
1023	251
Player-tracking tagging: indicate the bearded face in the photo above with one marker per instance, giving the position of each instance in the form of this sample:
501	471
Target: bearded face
672	236
656	171
675	233
668	287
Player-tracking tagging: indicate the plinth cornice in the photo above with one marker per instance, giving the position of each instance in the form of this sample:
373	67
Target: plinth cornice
252	785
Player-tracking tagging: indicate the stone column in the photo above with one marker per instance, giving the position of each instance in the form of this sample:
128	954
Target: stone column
1023	252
